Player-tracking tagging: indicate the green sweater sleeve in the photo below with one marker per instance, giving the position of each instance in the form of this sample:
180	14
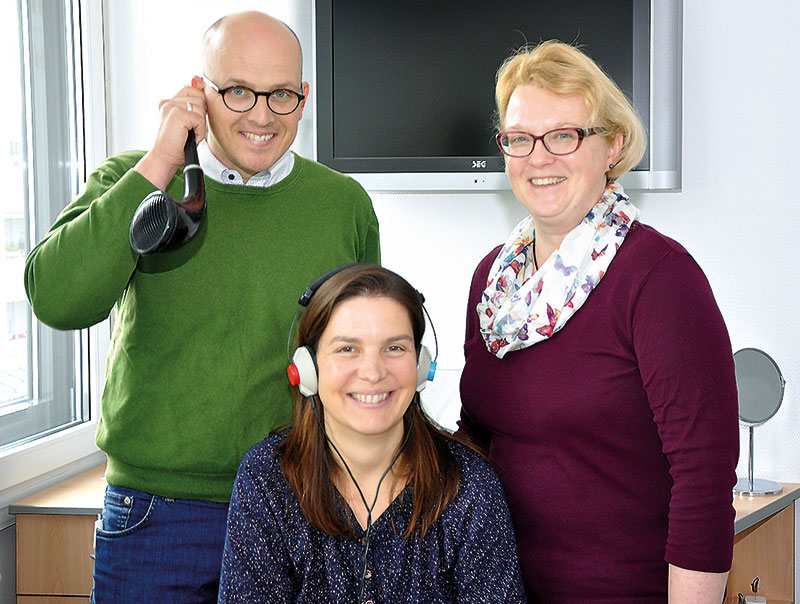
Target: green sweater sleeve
83	264
371	243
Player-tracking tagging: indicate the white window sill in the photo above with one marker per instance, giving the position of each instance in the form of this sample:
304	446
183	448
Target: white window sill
37	465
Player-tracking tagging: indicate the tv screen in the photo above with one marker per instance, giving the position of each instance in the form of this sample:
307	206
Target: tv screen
407	88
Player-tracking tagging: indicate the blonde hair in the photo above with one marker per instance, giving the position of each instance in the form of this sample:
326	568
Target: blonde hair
564	69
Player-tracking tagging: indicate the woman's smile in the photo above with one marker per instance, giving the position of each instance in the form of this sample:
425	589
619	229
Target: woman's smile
370	399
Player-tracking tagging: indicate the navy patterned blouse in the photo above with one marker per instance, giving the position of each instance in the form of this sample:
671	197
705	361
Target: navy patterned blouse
273	555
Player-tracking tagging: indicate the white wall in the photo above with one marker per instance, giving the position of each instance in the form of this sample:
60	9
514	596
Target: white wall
737	212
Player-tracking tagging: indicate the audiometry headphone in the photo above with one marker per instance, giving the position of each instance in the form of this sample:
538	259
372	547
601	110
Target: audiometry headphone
303	371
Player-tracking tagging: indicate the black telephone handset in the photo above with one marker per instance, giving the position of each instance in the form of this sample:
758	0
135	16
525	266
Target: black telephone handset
162	224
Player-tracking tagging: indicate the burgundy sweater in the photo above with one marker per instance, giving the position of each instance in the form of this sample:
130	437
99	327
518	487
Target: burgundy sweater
616	440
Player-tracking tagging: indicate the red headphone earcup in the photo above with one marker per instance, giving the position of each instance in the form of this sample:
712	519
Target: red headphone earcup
293	374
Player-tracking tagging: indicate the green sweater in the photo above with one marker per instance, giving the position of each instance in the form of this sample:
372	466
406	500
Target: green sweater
196	371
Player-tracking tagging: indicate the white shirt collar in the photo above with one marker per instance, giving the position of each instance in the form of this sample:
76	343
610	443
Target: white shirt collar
216	170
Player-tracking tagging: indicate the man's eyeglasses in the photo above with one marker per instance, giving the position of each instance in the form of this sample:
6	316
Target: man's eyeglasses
242	99
562	141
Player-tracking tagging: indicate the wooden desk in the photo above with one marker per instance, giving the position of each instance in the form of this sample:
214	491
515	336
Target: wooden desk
764	546
55	539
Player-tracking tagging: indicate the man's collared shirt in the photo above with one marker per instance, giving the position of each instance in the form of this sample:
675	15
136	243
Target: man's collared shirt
215	169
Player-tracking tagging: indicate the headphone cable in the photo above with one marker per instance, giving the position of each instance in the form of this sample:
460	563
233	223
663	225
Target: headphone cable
433	329
289	340
369	508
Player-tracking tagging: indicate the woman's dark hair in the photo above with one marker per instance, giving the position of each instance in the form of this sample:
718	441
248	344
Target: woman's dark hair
309	465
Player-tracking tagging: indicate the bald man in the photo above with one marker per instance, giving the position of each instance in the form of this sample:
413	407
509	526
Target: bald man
196	368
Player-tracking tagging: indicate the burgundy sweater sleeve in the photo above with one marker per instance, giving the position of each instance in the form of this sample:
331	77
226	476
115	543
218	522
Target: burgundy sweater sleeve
686	366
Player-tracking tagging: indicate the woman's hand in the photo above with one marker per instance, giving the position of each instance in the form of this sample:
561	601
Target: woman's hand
695	587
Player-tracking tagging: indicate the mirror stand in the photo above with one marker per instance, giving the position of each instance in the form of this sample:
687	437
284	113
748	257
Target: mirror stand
751	486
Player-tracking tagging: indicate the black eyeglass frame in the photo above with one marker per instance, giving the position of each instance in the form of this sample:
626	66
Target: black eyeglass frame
582	133
256	94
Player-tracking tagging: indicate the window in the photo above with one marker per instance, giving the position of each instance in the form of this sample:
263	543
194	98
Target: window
43	372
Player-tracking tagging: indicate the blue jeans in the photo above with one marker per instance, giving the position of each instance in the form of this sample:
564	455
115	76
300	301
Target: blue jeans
154	549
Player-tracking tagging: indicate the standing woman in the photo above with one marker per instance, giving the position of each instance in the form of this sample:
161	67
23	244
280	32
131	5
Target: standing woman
599	376
363	499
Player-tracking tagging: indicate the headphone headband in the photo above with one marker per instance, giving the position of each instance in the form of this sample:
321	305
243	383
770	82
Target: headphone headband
306	296
317	283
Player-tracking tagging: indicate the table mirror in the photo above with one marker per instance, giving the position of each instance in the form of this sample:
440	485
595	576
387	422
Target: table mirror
761	387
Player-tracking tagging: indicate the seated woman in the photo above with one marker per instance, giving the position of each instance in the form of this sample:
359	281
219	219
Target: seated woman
300	528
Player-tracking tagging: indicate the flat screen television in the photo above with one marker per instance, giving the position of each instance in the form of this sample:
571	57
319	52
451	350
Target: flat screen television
405	90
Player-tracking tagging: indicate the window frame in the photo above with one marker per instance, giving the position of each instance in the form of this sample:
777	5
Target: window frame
35	464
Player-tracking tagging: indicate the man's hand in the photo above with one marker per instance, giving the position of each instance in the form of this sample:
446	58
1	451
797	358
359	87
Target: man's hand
183	112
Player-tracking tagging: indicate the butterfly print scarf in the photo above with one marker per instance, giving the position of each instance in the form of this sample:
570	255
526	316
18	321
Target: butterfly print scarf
519	307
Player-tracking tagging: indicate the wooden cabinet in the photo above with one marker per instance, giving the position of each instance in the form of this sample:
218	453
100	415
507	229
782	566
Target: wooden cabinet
55	540
764	546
